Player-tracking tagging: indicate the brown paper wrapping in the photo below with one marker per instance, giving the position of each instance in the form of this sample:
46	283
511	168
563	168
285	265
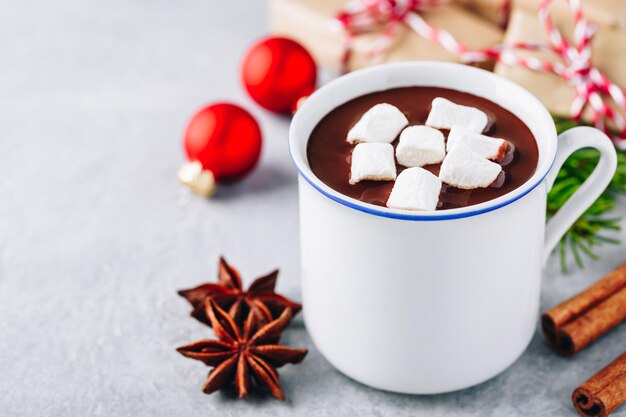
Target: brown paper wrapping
313	24
609	56
492	10
611	13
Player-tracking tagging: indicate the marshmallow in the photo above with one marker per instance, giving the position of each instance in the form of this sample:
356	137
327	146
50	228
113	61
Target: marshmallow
419	146
381	123
485	146
372	161
415	189
444	114
464	168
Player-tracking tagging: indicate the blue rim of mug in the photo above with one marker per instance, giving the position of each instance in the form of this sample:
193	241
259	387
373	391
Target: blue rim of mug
380	211
416	217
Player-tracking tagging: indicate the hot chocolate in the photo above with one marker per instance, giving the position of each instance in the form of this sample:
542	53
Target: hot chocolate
330	146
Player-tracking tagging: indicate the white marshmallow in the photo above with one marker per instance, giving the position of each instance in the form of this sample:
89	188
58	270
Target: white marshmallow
444	114
485	146
419	146
464	168
381	123
372	161
415	189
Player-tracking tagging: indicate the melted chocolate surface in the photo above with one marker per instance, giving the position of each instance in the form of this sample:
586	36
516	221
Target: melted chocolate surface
329	153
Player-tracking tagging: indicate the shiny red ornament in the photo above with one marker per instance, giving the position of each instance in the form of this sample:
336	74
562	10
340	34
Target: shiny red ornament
223	143
277	73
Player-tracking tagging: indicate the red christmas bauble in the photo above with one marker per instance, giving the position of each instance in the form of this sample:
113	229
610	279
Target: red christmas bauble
277	73
225	139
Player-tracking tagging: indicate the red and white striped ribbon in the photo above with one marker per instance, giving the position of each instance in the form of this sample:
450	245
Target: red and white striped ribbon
363	16
575	66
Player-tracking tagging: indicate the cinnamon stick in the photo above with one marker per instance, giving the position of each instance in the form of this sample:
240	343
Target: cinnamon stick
577	322
603	392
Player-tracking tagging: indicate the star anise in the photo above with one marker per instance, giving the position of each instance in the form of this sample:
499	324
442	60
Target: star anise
228	294
242	352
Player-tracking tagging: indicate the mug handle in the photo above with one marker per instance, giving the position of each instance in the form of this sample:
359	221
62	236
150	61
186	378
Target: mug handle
569	142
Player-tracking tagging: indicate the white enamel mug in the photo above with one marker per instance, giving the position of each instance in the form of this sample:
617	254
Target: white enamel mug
431	302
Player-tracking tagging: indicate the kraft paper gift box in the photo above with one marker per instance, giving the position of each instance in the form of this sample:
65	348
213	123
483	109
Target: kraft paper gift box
610	13
608	55
313	24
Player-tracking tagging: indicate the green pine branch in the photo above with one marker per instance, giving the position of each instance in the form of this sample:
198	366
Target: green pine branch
595	227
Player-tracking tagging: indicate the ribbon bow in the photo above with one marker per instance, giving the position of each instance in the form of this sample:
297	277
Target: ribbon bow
575	67
364	16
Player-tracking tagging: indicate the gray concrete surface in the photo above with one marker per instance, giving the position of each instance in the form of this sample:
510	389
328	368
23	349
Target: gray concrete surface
96	235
